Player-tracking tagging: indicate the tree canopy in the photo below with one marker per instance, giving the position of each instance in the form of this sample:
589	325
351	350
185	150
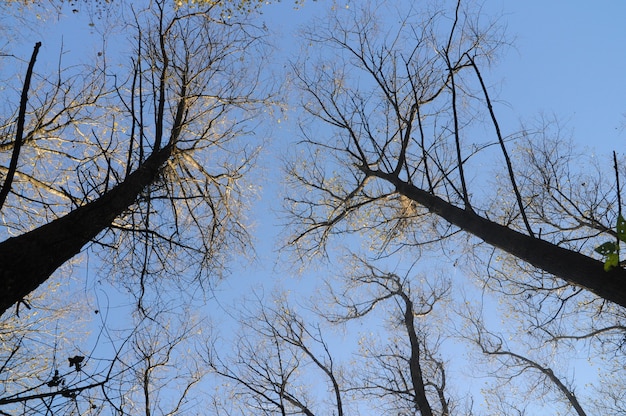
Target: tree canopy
436	236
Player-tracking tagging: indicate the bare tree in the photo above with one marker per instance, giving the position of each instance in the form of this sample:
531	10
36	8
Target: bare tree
509	365
140	156
404	150
160	371
283	363
405	372
144	365
280	365
44	368
158	138
403	107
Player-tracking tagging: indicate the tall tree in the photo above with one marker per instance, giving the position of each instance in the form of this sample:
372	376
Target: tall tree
404	108
405	372
403	148
140	155
148	164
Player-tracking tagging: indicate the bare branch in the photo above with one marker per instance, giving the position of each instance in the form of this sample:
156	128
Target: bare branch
17	146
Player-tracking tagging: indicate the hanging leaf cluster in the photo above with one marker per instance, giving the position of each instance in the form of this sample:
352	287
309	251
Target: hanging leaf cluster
610	249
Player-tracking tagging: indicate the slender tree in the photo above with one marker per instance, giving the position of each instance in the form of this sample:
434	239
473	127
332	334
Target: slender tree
276	356
405	371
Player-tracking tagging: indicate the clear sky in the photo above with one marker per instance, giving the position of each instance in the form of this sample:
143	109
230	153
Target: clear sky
567	58
568	61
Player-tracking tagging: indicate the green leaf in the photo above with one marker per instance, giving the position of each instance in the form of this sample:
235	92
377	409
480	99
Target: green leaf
608	248
612	260
621	228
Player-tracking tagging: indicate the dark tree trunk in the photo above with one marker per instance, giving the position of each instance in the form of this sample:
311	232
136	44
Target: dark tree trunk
571	266
415	367
30	259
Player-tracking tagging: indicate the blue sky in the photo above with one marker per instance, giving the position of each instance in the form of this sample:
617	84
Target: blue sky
567	58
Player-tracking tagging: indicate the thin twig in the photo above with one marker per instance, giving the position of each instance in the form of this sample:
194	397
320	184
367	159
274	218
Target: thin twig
509	165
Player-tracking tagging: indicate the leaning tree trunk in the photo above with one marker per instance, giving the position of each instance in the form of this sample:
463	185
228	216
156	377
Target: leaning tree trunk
571	266
30	259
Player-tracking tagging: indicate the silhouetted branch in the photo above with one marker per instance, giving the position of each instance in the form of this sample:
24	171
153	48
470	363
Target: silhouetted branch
6	187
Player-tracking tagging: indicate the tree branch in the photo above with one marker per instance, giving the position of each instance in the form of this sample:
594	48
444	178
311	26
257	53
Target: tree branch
6	187
571	266
31	258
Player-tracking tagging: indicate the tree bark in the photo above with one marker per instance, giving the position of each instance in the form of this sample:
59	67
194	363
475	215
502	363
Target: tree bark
571	266
4	192
415	367
569	394
30	259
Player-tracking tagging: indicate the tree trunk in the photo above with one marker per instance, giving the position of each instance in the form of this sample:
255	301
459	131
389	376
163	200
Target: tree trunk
571	266
30	259
415	367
